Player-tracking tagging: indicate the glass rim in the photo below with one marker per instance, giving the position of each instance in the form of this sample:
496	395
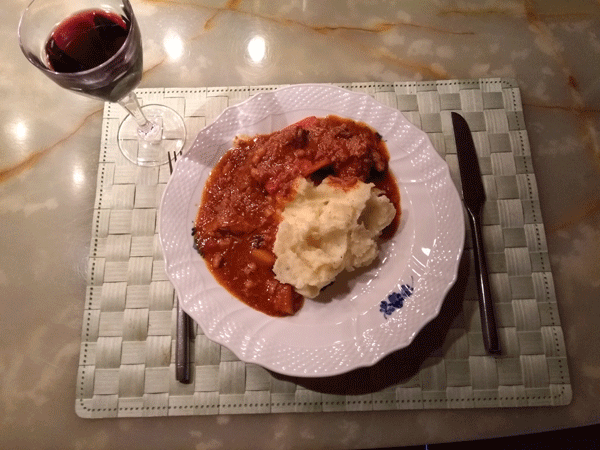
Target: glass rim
40	65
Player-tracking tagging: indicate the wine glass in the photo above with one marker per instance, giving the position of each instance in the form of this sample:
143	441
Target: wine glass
94	47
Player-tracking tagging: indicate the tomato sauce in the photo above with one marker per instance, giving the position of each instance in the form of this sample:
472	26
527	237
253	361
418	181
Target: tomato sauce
247	190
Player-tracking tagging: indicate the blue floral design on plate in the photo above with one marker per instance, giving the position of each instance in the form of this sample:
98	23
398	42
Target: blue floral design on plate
396	300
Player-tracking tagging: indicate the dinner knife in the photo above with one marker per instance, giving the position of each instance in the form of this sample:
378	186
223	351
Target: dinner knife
474	199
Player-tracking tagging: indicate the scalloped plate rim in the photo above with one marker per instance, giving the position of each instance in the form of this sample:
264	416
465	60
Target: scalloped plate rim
252	357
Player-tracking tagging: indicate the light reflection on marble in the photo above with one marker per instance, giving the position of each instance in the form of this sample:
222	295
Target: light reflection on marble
48	165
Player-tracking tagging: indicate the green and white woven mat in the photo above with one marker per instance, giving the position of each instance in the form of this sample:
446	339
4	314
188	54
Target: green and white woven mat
126	366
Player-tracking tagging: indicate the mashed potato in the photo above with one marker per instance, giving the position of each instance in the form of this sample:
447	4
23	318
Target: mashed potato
327	229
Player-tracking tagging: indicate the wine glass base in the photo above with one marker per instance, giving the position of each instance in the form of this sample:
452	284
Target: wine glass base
152	151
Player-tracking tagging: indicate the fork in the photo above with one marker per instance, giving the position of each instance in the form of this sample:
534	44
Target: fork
184	322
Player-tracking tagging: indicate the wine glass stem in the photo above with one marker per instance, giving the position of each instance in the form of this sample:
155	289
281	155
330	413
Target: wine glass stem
147	130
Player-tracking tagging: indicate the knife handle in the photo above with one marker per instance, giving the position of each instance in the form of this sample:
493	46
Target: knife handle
182	355
486	307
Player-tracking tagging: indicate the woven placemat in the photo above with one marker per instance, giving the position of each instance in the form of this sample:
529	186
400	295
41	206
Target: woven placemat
126	366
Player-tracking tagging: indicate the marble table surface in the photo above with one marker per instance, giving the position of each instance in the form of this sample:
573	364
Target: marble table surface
50	140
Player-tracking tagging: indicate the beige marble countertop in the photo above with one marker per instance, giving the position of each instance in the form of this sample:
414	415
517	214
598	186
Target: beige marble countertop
50	140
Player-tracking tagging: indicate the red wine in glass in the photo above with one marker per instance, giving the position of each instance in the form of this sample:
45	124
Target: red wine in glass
89	39
86	40
96	50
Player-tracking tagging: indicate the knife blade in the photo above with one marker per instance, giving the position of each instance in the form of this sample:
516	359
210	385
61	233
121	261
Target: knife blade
474	200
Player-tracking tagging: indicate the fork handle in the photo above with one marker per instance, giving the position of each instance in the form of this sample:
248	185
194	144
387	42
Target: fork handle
486	308
182	346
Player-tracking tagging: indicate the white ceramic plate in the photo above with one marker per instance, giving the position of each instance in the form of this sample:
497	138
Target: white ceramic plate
355	322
